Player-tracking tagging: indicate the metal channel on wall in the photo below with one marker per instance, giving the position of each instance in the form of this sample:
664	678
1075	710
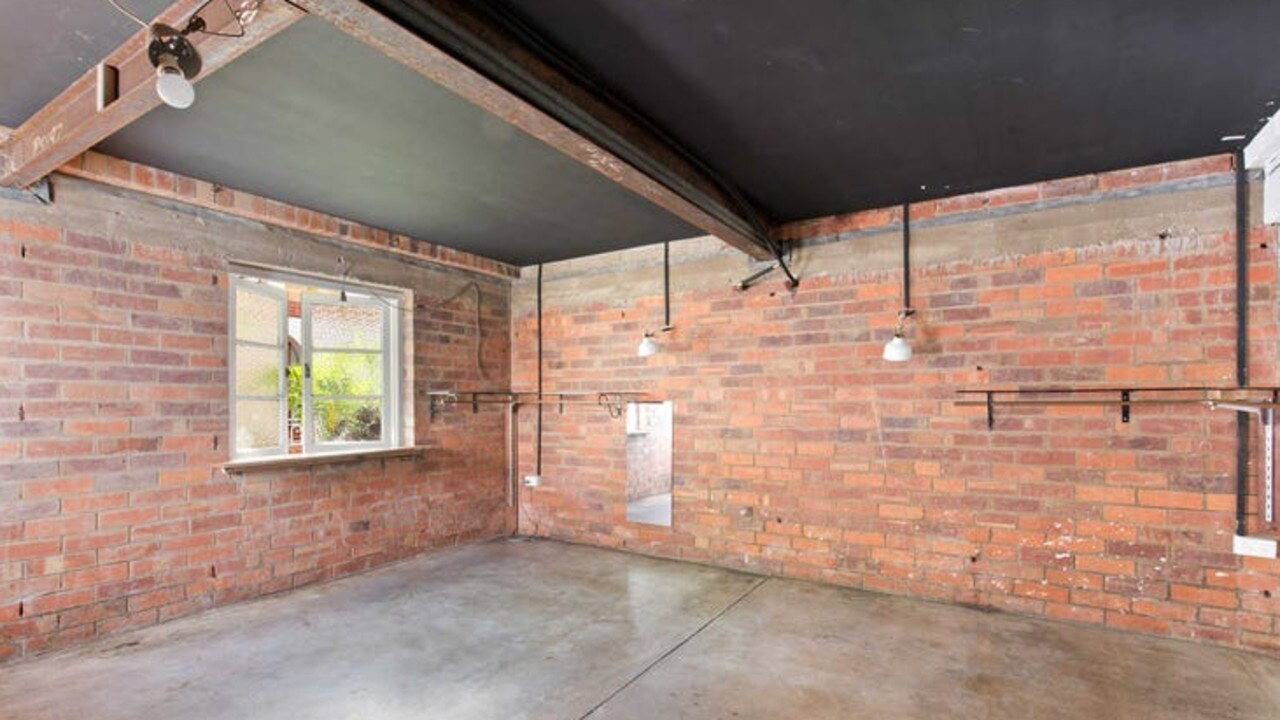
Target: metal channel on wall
1242	399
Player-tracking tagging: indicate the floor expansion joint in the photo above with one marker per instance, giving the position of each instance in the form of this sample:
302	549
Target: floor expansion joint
675	648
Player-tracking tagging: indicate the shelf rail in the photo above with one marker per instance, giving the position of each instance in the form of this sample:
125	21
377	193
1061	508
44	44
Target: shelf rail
613	401
1124	397
1261	402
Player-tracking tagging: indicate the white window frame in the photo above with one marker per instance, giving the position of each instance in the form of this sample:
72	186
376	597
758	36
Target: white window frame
255	279
390	380
282	391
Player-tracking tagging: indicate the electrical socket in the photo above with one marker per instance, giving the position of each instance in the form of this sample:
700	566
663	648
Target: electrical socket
532	480
1254	546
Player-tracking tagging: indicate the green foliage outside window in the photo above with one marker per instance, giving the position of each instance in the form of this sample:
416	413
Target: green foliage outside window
340	374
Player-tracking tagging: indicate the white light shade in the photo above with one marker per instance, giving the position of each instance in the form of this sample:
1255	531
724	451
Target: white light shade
648	346
174	89
897	349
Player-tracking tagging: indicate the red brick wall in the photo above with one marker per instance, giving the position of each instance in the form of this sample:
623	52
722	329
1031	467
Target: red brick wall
144	179
113	423
800	452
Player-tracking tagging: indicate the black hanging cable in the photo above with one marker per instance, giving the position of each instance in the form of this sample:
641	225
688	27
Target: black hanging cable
538	444
906	311
666	286
792	280
1242	271
1242	340
906	258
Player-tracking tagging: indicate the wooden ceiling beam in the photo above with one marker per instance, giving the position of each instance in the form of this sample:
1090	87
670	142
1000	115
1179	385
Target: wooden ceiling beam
72	122
487	63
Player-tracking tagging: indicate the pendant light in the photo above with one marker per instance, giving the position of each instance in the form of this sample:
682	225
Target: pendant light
898	349
648	344
175	58
176	62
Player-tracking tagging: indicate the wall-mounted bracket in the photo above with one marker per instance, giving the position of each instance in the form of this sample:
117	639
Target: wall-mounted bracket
438	400
40	191
1266	417
1244	400
753	278
613	401
1088	397
1269	465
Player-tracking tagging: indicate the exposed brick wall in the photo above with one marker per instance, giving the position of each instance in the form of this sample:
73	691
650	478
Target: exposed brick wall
167	185
800	452
114	419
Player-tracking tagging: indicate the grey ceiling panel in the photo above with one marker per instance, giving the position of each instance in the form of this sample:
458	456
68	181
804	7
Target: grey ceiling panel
316	118
46	44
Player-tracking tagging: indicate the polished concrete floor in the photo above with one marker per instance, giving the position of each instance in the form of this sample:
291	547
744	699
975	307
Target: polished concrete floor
507	630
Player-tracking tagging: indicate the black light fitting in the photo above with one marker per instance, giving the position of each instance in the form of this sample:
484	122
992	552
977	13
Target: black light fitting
648	345
898	349
175	58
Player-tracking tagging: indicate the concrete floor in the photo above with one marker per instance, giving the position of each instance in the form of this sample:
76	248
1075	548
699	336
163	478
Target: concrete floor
545	630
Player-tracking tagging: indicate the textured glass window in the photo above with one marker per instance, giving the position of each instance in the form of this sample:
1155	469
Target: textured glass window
348	383
258	387
314	369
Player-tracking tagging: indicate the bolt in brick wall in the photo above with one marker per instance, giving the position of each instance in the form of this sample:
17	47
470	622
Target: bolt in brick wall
114	512
800	452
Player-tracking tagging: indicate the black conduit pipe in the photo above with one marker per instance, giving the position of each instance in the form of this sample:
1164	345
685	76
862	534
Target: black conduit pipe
538	444
906	256
1242	340
666	286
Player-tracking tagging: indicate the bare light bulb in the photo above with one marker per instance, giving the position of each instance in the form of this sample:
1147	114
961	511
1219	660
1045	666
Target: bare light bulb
173	88
648	346
897	349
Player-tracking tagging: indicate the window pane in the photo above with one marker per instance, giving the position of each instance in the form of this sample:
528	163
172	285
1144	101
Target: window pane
347	420
257	317
346	374
257	370
257	424
354	327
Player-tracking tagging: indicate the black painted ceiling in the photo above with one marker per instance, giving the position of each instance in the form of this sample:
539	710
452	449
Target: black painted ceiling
817	107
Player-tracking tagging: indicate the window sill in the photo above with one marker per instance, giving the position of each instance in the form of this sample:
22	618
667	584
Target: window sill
294	461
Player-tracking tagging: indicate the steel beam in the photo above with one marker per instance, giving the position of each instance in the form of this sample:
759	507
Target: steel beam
73	122
493	63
